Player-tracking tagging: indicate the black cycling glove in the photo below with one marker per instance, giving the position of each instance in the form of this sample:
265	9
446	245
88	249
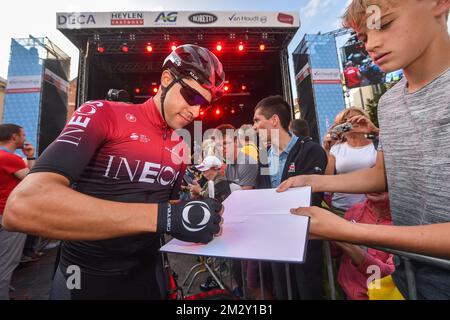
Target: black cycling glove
191	221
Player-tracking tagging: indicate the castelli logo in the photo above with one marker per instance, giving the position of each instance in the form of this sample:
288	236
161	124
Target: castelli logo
285	18
130	117
203	18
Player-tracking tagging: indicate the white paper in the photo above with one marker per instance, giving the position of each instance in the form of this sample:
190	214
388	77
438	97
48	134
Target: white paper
257	225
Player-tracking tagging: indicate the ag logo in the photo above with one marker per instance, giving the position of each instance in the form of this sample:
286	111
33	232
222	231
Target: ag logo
170	17
195	216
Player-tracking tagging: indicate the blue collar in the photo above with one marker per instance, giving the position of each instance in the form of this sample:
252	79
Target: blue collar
4	149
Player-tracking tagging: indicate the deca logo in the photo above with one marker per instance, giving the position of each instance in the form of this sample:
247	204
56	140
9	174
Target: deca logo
170	17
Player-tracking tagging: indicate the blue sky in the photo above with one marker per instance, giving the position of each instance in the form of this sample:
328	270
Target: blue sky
38	18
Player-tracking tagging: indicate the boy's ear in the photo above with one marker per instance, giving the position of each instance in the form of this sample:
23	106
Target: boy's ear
442	8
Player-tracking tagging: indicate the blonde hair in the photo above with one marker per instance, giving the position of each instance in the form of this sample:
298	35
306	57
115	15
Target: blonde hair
356	13
342	116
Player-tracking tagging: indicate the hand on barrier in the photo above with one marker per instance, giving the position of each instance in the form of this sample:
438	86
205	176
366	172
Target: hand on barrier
191	221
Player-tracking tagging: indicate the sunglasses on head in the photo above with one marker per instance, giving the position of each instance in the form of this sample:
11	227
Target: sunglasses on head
192	96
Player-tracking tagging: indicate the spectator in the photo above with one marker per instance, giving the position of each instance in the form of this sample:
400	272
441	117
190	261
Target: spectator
210	167
12	170
353	153
357	261
300	128
414	150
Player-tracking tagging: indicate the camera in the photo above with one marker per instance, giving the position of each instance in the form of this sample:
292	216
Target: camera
189	177
118	95
344	127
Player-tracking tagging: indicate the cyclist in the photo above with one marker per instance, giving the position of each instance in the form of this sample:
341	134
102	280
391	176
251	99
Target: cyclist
105	185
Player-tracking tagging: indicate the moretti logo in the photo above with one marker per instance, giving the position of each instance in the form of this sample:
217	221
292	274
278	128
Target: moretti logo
127	18
203	18
167	18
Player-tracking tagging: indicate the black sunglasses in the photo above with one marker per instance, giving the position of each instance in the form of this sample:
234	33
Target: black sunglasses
192	96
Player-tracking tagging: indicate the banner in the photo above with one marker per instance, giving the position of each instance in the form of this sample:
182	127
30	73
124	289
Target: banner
179	19
23	84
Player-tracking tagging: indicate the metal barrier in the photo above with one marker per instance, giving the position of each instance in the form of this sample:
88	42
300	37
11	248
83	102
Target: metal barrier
409	272
407	257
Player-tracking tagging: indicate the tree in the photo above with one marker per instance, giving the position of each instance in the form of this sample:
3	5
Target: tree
372	104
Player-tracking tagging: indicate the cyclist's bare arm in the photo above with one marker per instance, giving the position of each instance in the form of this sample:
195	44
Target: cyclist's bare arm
44	204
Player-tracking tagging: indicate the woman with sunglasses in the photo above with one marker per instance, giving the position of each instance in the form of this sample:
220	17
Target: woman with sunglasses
104	186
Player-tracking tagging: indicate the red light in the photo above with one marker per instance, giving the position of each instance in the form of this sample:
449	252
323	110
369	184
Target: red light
233	111
124	48
219	47
217	111
155	90
262	47
241	47
202	113
149	48
243	87
226	88
173	47
137	90
100	49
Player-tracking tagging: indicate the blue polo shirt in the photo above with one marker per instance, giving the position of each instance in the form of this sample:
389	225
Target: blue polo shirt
278	161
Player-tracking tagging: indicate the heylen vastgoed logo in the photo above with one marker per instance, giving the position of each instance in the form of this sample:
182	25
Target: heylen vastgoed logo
127	18
203	18
285	18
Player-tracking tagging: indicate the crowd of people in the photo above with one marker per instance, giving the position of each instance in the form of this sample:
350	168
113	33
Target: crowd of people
386	187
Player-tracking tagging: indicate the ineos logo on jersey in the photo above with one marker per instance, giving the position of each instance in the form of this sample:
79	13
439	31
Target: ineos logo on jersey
78	123
120	168
201	208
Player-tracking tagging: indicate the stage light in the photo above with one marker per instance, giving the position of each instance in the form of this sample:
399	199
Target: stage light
137	90
100	49
243	87
226	88
202	113
173	46
262	47
241	47
233	111
219	47
217	112
155	90
149	48
124	48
